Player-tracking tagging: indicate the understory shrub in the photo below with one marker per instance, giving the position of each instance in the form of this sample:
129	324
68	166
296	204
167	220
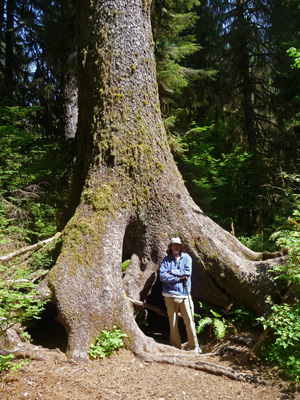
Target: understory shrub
284	351
7	362
283	321
19	302
107	342
258	242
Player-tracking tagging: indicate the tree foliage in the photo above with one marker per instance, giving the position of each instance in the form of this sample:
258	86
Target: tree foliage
33	176
227	93
240	98
283	321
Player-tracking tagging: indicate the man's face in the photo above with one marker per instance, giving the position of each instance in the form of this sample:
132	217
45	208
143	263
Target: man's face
175	248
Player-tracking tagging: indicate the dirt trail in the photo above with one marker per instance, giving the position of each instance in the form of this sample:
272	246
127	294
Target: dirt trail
51	376
123	376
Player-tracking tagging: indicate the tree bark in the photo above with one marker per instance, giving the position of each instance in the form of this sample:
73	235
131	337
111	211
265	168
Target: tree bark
128	195
1	22
69	75
248	112
9	50
244	66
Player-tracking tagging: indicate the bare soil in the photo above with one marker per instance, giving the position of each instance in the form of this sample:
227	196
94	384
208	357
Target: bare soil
124	376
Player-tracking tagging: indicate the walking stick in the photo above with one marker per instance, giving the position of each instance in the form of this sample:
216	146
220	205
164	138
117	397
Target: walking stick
192	314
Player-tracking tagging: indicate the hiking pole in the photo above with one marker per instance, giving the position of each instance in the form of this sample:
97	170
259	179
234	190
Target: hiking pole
192	315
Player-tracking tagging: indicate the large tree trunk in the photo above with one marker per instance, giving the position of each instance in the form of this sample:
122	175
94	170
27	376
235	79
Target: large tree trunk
133	199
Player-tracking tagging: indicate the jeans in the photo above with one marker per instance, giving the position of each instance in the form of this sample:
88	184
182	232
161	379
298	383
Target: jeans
175	305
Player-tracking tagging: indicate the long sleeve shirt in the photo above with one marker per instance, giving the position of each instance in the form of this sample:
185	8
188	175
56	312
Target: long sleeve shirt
170	272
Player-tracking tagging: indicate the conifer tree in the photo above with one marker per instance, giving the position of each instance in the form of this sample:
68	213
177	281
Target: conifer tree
247	104
128	197
170	23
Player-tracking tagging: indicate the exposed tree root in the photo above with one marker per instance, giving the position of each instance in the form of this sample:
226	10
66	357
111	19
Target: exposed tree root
156	309
163	354
178	358
184	360
12	344
151	351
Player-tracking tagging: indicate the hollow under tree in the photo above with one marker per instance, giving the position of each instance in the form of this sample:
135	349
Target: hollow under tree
128	196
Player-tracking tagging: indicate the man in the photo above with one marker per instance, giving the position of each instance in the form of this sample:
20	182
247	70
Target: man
175	274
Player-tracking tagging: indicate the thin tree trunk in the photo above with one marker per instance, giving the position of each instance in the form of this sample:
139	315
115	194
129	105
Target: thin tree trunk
131	196
69	75
1	23
248	116
9	50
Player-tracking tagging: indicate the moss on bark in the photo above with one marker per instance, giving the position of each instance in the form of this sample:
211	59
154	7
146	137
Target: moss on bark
129	195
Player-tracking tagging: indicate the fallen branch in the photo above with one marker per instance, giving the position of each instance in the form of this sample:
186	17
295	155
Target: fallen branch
8	281
33	278
156	309
24	250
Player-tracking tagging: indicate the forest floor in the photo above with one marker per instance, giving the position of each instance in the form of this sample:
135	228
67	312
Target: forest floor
124	376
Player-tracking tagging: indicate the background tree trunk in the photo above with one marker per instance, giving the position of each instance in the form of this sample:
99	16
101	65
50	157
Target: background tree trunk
9	49
1	22
69	75
133	198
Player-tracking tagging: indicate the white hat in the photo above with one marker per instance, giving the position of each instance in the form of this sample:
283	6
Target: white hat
176	240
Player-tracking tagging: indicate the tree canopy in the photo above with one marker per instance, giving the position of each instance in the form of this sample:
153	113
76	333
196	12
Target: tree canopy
230	106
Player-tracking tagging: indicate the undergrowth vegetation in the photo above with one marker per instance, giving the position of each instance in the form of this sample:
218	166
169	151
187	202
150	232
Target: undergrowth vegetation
19	303
33	187
283	323
219	323
281	341
107	342
33	177
9	362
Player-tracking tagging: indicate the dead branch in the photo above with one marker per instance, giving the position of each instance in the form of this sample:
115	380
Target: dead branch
27	249
24	194
9	281
156	309
40	273
33	278
13	210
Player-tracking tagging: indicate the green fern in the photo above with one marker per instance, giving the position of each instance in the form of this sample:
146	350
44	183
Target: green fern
202	323
216	322
219	328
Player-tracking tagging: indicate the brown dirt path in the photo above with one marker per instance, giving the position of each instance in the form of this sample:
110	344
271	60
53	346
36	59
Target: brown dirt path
125	377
